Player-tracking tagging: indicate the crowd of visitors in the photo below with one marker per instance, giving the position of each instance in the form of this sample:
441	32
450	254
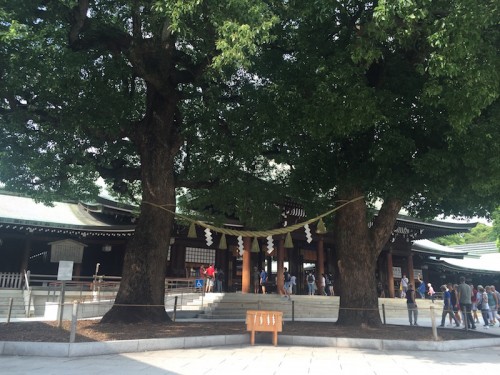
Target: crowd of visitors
212	278
462	302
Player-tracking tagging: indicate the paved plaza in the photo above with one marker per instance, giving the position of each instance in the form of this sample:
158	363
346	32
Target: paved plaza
263	359
308	357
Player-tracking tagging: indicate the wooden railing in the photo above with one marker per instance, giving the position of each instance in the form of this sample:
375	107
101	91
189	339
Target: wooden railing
11	280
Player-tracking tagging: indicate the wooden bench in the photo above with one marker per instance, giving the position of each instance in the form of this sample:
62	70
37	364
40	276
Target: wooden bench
264	321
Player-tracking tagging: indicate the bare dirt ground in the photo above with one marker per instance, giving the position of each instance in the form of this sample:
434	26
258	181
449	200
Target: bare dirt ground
92	330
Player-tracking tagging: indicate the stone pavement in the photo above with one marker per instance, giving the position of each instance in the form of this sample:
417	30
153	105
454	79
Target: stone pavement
263	359
233	355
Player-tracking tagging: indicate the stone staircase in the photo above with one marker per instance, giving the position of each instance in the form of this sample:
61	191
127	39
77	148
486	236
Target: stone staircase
18	307
190	305
233	306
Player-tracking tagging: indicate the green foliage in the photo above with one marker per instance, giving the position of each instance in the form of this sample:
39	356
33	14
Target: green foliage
236	28
72	111
496	225
481	233
399	100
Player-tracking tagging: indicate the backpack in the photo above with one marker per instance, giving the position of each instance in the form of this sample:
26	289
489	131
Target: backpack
479	303
310	278
287	277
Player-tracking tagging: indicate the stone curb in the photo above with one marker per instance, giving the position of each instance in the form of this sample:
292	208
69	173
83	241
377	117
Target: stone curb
49	349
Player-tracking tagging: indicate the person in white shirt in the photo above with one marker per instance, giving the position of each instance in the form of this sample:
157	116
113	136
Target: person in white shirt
404	286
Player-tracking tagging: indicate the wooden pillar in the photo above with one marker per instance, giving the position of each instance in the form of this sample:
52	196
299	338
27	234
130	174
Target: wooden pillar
269	264
320	269
77	270
411	273
390	275
26	254
246	271
281	259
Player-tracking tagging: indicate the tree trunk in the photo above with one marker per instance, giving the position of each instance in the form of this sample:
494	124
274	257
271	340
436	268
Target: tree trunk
358	248
141	296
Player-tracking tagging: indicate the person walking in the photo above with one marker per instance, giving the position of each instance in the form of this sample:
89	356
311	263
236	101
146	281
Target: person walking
474	304
464	298
404	286
454	302
219	277
491	304
293	281
310	283
203	274
287	287
210	274
263	280
329	284
447	309
322	285
482	304
411	305
497	294
431	291
420	286
256	280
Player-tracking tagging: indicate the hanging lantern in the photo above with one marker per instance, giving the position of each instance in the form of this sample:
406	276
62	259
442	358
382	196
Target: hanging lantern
192	231
288	241
222	242
321	228
255	245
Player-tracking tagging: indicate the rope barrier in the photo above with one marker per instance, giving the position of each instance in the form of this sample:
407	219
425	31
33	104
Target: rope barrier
249	233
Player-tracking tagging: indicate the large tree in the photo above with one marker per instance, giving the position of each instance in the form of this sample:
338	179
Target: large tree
128	91
390	100
396	101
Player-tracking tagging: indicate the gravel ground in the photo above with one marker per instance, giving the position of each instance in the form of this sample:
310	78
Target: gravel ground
93	330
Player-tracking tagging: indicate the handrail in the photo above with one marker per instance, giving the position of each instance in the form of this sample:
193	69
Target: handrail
27	280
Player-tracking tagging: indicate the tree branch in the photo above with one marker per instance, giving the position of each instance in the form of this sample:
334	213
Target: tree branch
383	224
86	33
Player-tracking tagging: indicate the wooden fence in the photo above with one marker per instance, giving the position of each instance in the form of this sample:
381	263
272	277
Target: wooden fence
11	280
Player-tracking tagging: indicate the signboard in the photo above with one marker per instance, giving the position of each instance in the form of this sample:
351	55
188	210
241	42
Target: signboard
66	250
198	283
416	272
396	271
65	271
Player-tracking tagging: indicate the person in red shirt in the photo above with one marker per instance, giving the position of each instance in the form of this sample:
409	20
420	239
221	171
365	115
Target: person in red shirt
210	278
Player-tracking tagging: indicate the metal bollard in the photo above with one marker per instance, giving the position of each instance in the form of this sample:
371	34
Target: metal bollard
175	308
383	314
61	304
433	321
74	320
293	311
11	301
29	304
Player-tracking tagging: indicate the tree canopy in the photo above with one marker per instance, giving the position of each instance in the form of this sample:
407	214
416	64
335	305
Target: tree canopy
397	100
132	91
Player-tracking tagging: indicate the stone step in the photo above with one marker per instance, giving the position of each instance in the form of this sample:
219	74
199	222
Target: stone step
235	305
18	308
